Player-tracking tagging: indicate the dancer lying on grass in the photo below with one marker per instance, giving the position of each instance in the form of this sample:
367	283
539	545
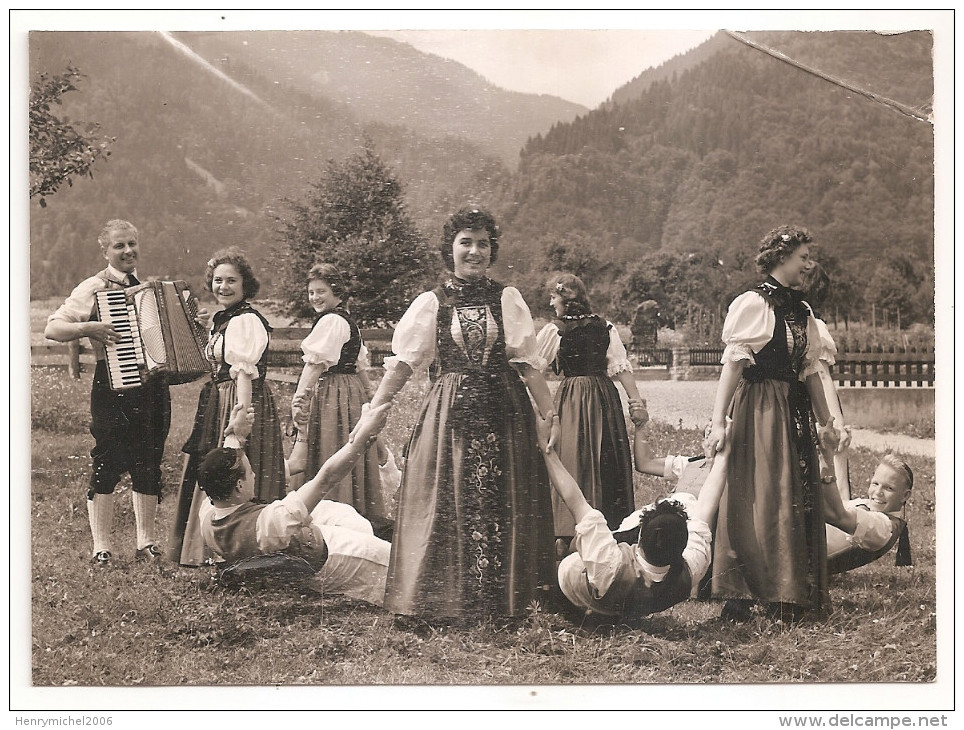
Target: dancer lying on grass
332	538
860	531
659	570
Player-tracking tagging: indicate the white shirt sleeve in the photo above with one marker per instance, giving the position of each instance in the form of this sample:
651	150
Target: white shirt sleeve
280	521
323	344
673	466
599	551
413	341
617	360
547	343
696	554
78	306
245	340
364	361
820	347
520	332
873	530
748	327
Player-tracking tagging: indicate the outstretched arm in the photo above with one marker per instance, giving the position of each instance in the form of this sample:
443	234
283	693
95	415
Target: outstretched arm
644	459
729	379
566	486
338	465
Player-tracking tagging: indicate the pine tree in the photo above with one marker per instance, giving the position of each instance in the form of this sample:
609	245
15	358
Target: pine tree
356	219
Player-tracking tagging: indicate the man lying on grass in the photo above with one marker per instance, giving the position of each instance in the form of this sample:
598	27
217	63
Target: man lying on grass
660	569
332	538
860	531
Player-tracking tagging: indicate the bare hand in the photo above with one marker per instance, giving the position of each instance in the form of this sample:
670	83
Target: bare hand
846	435
300	409
828	436
638	412
242	419
203	317
371	423
102	332
715	441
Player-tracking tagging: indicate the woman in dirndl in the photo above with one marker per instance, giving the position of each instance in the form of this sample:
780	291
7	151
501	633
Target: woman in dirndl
593	442
238	351
473	530
332	389
770	543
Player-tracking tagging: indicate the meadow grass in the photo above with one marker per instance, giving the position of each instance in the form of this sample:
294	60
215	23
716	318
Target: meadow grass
143	624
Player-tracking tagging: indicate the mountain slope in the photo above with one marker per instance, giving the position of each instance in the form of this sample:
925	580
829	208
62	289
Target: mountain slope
385	81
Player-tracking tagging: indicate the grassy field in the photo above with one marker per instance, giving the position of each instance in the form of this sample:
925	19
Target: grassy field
138	624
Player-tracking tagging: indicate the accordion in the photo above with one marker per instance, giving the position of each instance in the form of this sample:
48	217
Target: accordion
159	334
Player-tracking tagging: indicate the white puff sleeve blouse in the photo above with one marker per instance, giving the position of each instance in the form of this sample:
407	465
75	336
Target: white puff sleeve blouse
245	340
324	343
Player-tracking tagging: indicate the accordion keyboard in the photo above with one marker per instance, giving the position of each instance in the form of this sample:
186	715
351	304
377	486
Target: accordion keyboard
125	357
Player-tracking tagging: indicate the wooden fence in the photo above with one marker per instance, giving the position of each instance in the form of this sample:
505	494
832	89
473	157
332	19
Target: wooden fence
865	368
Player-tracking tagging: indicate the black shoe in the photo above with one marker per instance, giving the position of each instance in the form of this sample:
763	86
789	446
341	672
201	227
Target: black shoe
150	552
101	558
736	611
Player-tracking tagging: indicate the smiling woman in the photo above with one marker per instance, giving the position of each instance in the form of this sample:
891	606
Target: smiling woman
473	533
238	351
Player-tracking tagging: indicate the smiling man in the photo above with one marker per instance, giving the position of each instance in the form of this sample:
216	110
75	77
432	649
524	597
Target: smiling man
129	426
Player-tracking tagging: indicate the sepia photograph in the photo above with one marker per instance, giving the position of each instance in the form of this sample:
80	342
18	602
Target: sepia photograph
492	360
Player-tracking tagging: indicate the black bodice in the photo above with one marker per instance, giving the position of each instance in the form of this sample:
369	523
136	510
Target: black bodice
582	348
779	360
221	321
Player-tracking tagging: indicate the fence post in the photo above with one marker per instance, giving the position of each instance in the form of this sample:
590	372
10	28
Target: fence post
73	358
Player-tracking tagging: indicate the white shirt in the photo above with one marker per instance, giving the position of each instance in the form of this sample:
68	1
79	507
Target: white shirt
78	306
874	530
748	327
244	341
324	343
601	556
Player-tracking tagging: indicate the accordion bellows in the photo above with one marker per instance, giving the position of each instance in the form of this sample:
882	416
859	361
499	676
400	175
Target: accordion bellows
159	334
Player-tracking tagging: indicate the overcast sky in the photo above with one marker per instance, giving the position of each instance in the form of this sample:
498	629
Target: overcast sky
584	66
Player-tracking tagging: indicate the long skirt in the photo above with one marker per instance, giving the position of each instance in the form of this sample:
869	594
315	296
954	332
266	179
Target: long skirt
473	532
335	409
265	451
594	447
770	539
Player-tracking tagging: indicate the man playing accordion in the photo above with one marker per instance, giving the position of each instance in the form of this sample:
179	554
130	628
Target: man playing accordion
129	426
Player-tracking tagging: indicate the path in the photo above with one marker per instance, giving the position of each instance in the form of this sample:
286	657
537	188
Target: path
691	402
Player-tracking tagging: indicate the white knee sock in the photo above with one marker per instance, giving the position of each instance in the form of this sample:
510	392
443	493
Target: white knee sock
100	512
145	510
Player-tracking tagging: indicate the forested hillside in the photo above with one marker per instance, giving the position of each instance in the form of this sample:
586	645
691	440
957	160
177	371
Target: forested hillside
704	165
199	163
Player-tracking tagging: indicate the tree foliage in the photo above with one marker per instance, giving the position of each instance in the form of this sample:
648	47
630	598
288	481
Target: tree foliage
58	151
355	218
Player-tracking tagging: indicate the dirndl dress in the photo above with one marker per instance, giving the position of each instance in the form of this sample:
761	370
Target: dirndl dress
593	441
473	531
770	539
336	405
238	343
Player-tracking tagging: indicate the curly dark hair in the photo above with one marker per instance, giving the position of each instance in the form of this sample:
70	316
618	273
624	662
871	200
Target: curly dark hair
573	292
472	218
778	245
330	274
219	472
663	533
234	256
816	286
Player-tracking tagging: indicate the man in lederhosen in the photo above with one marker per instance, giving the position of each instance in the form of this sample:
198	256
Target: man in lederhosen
129	426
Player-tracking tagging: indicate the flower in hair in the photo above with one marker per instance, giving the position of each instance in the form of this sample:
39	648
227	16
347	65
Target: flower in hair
211	263
785	237
559	287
